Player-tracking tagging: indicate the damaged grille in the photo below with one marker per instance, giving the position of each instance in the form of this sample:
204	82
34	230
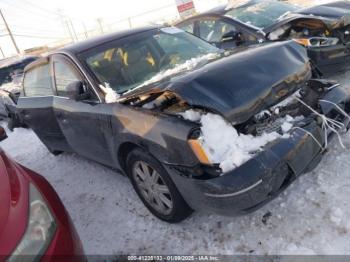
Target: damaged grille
270	128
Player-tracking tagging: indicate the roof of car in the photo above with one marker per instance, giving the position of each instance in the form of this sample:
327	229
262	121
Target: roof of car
15	60
96	41
219	10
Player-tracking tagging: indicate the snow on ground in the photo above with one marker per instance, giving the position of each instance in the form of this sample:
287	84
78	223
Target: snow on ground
312	216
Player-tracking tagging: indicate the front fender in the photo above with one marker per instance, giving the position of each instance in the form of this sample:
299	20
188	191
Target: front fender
163	136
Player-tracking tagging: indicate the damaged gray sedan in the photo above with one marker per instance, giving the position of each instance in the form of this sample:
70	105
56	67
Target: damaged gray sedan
192	126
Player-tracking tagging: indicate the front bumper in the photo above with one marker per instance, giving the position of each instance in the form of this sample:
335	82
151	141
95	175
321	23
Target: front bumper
332	59
269	173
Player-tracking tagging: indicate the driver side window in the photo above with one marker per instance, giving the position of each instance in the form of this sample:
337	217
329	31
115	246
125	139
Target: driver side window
213	30
65	74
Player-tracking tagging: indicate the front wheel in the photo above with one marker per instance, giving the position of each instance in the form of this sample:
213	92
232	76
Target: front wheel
155	188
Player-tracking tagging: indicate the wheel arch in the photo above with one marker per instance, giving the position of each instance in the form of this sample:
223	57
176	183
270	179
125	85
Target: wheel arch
124	150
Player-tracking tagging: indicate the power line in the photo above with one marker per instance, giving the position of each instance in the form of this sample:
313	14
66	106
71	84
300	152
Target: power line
16	6
37	32
57	13
37	36
30	28
140	14
36	9
9	32
40	8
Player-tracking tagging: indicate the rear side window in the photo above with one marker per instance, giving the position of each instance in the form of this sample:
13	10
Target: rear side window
37	81
188	27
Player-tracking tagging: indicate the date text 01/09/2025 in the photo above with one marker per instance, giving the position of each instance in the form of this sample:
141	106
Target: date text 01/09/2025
173	258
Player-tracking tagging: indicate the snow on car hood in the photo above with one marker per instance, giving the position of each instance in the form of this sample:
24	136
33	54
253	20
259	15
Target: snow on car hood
245	83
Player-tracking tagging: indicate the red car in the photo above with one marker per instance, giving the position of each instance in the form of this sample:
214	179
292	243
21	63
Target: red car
33	220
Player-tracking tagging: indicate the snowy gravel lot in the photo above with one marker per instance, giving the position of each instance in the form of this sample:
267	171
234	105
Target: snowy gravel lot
312	216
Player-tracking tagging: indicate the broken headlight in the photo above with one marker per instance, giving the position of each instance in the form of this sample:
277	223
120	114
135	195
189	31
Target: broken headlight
41	229
318	41
196	143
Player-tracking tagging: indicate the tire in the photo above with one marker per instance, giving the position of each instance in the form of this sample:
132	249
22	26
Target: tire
161	197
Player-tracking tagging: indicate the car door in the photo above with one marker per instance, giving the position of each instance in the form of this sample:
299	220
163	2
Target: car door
35	106
85	123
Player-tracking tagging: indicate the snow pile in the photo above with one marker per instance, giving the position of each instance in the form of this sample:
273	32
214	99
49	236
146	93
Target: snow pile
111	95
223	144
226	146
192	115
188	65
286	127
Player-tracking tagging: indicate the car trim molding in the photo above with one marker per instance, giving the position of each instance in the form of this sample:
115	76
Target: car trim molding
236	193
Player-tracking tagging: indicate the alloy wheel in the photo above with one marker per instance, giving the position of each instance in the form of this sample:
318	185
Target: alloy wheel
152	187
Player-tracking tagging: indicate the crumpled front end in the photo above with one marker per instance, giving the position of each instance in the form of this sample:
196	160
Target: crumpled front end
273	169
324	30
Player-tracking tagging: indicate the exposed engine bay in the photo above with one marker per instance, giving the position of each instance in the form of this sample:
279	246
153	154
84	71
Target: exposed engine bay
290	108
313	29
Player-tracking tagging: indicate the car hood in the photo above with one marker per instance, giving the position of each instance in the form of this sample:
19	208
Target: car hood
339	10
13	204
334	15
245	83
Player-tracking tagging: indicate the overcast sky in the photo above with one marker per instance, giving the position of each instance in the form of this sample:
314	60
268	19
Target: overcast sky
38	22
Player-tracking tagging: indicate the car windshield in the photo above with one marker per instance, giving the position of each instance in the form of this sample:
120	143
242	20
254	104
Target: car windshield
261	14
147	57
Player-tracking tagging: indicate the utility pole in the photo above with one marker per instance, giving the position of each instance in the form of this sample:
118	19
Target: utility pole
3	55
10	33
69	31
99	21
85	31
73	29
65	24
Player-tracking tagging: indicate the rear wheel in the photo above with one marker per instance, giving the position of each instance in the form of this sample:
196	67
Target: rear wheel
155	188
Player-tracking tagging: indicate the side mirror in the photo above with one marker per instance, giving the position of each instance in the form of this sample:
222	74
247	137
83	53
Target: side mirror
76	91
232	36
3	135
